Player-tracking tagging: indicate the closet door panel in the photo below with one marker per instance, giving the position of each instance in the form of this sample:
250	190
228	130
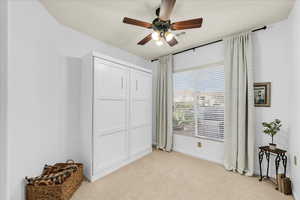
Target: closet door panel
110	80
109	116
109	150
141	85
139	139
140	113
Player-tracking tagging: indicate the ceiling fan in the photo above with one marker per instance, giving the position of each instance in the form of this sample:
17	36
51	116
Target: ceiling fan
162	25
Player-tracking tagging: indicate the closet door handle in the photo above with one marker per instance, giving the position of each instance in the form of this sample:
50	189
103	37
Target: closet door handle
136	85
122	82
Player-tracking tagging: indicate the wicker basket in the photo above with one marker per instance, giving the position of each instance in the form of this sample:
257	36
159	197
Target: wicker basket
63	191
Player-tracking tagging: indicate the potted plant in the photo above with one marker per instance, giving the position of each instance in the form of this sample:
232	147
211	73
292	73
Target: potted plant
271	129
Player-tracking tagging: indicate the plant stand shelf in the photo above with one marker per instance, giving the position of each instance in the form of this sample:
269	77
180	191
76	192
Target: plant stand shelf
280	157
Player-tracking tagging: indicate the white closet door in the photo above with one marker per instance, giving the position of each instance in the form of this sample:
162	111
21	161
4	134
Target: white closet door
109	151
110	97
140	112
141	85
140	140
110	114
110	80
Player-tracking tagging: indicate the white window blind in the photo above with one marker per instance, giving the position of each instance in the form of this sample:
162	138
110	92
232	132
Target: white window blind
199	102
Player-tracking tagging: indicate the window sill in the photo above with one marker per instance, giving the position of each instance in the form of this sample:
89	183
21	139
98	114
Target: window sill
202	138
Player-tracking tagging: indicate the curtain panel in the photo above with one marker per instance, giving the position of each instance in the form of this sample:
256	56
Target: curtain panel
239	105
163	105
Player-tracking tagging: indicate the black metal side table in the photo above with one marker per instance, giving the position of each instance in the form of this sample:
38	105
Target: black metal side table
280	156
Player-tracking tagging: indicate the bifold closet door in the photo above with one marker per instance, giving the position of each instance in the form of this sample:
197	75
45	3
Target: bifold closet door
140	114
110	114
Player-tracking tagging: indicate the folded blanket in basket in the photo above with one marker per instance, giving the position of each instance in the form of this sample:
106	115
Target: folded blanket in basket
53	175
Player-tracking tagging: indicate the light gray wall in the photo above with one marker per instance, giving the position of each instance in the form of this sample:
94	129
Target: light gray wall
271	64
294	98
43	85
3	99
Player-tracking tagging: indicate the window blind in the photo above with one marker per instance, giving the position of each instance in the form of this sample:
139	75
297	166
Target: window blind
199	102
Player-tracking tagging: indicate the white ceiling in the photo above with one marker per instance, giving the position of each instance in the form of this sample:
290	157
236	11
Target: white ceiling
102	19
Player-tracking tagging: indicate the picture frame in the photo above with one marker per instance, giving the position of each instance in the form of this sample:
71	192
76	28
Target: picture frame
262	94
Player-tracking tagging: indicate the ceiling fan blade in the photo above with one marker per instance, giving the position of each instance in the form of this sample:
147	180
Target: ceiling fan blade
188	24
166	9
135	22
145	40
172	42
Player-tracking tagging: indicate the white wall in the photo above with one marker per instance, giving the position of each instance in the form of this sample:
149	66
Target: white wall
270	64
43	85
294	111
3	98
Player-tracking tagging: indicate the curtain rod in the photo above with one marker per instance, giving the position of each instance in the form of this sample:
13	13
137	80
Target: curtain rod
203	45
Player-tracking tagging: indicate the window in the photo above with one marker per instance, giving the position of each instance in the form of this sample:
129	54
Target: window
199	102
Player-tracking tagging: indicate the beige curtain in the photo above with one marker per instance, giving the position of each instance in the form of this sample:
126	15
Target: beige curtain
163	93
239	105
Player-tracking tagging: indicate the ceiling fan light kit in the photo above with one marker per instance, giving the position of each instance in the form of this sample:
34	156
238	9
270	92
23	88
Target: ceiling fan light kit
162	25
155	35
159	36
169	36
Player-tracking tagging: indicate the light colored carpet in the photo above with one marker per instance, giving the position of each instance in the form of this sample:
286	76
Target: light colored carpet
174	176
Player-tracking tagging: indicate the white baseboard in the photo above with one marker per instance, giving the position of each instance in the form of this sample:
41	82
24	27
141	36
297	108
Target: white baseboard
120	164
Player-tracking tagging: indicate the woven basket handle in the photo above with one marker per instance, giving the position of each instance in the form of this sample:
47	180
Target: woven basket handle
70	161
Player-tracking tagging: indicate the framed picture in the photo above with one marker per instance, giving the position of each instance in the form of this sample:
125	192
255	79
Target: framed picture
262	94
